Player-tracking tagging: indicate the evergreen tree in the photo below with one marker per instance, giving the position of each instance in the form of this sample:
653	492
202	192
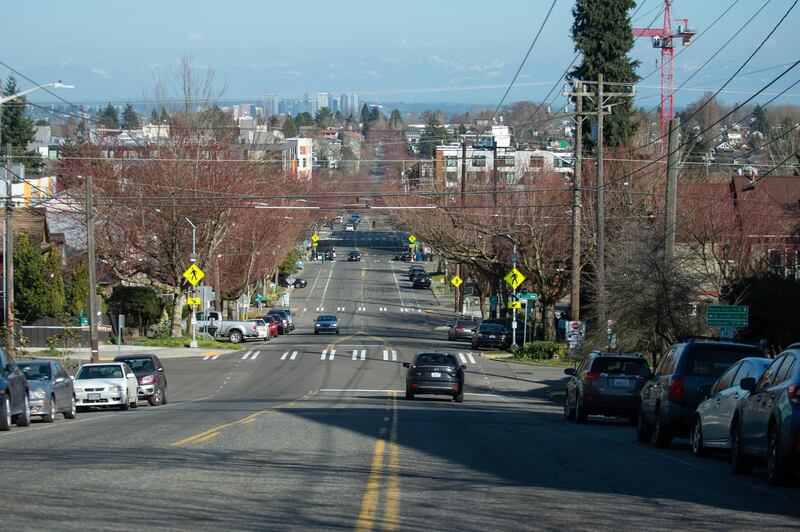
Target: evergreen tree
109	118
324	117
140	305
760	120
164	118
76	291
18	129
304	119
365	119
433	135
396	120
130	118
289	127
154	117
462	129
53	282
30	292
603	35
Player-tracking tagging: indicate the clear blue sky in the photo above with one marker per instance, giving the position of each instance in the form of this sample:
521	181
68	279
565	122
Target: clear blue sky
410	50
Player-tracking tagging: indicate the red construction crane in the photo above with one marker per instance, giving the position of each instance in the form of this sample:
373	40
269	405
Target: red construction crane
663	38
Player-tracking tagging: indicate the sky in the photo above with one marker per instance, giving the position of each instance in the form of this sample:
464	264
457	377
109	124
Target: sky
412	51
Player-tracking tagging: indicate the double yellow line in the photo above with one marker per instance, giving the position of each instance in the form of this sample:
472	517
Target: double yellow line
368	513
212	433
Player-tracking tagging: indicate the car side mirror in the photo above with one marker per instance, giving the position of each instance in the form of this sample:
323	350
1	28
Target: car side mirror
704	390
406	365
569	371
748	384
59	380
160	369
463	367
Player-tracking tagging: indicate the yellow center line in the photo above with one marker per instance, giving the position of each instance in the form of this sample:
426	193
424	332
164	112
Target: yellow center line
369	504
391	513
212	433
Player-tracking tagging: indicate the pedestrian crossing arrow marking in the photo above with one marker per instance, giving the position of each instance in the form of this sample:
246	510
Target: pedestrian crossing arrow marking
456	281
515	304
514	278
193	274
194	301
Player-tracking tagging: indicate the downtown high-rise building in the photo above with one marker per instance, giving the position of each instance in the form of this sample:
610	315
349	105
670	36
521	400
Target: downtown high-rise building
270	105
348	104
323	100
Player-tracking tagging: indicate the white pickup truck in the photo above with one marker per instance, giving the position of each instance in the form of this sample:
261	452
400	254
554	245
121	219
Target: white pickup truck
235	331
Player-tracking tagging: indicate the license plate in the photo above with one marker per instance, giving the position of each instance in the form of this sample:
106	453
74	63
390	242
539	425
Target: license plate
436	375
492	336
93	396
621	383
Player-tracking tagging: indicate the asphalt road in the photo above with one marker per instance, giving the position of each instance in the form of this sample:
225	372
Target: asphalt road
312	432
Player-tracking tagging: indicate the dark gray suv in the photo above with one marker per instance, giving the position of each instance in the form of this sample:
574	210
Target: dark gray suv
14	399
669	399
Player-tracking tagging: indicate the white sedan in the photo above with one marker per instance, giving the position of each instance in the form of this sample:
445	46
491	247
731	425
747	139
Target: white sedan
106	384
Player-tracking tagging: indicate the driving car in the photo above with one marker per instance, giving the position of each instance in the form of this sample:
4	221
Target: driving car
435	373
150	377
413	271
354	256
605	384
714	416
50	389
403	257
14	400
106	384
491	335
326	323
462	329
767	423
421	280
669	399
350	227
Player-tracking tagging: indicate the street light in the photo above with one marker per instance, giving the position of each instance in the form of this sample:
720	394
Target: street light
8	238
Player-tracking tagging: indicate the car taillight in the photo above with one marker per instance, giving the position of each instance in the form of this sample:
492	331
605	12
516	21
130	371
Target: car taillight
459	328
794	393
676	388
591	375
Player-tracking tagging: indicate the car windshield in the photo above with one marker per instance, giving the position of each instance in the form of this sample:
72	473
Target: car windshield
621	366
491	327
35	372
713	360
436	359
465	323
326	318
107	371
260	323
138	364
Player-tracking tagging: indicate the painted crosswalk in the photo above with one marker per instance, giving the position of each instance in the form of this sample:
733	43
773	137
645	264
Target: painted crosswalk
320	309
468	356
407	309
211	357
362	309
363	354
328	355
251	355
382	309
386	355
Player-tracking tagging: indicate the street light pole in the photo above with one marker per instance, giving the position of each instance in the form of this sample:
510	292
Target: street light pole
193	260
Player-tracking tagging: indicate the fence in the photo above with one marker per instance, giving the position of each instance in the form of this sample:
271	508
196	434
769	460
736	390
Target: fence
41	330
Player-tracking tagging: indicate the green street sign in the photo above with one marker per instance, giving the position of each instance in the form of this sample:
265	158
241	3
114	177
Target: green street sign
525	295
727	316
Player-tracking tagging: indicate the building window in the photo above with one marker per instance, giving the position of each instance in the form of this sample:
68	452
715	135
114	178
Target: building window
303	150
479	160
537	163
505	162
451	162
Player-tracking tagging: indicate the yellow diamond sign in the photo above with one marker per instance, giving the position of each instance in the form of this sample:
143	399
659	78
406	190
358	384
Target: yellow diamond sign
514	278
193	274
456	281
515	304
412	239
315	238
193	301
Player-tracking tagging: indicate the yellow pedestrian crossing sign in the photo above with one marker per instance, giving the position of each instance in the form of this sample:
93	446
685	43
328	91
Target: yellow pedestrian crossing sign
515	278
194	301
515	304
315	238
193	274
412	239
456	281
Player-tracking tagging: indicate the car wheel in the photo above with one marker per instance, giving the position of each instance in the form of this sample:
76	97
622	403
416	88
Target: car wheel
157	398
316	332
580	412
569	412
778	472
50	416
337	332
661	436
740	461
644	434
235	337
125	404
459	397
24	419
135	401
164	394
698	447
409	394
5	415
73	410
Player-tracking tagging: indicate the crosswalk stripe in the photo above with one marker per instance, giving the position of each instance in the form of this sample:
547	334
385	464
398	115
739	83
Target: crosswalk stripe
332	354
215	357
363	354
394	355
419	310
244	356
255	355
471	359
385	354
283	356
461	356
294	355
206	357
324	354
355	353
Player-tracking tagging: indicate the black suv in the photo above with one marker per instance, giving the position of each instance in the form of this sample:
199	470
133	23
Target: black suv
435	373
606	384
150	376
354	256
669	399
14	401
421	280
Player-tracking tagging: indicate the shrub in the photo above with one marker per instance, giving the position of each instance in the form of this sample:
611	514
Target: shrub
160	330
541	351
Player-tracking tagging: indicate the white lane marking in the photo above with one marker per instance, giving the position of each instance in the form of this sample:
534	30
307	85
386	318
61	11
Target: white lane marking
394	355
206	357
244	356
363	354
324	354
332	354
461	356
255	355
419	310
305	309
322	299
385	354
294	355
397	284
355	353
471	358
283	356
215	357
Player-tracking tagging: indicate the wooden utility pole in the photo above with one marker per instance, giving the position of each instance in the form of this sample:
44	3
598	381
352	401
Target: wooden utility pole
90	262
575	292
459	299
8	253
671	202
495	290
600	256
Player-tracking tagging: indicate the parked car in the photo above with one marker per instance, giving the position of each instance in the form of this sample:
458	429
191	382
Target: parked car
767	423
354	256
326	323
435	373
106	384
403	257
605	384
669	399
421	281
14	399
462	329
272	324
282	322
261	328
491	335
299	282
287	313
236	331
50	389
150	377
509	326
286	280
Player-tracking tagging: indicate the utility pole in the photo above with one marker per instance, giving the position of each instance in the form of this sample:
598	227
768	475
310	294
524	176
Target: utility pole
495	291
600	257
459	266
8	252
90	262
575	292
193	260
671	203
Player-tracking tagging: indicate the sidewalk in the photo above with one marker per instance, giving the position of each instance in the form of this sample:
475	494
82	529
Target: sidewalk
108	352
